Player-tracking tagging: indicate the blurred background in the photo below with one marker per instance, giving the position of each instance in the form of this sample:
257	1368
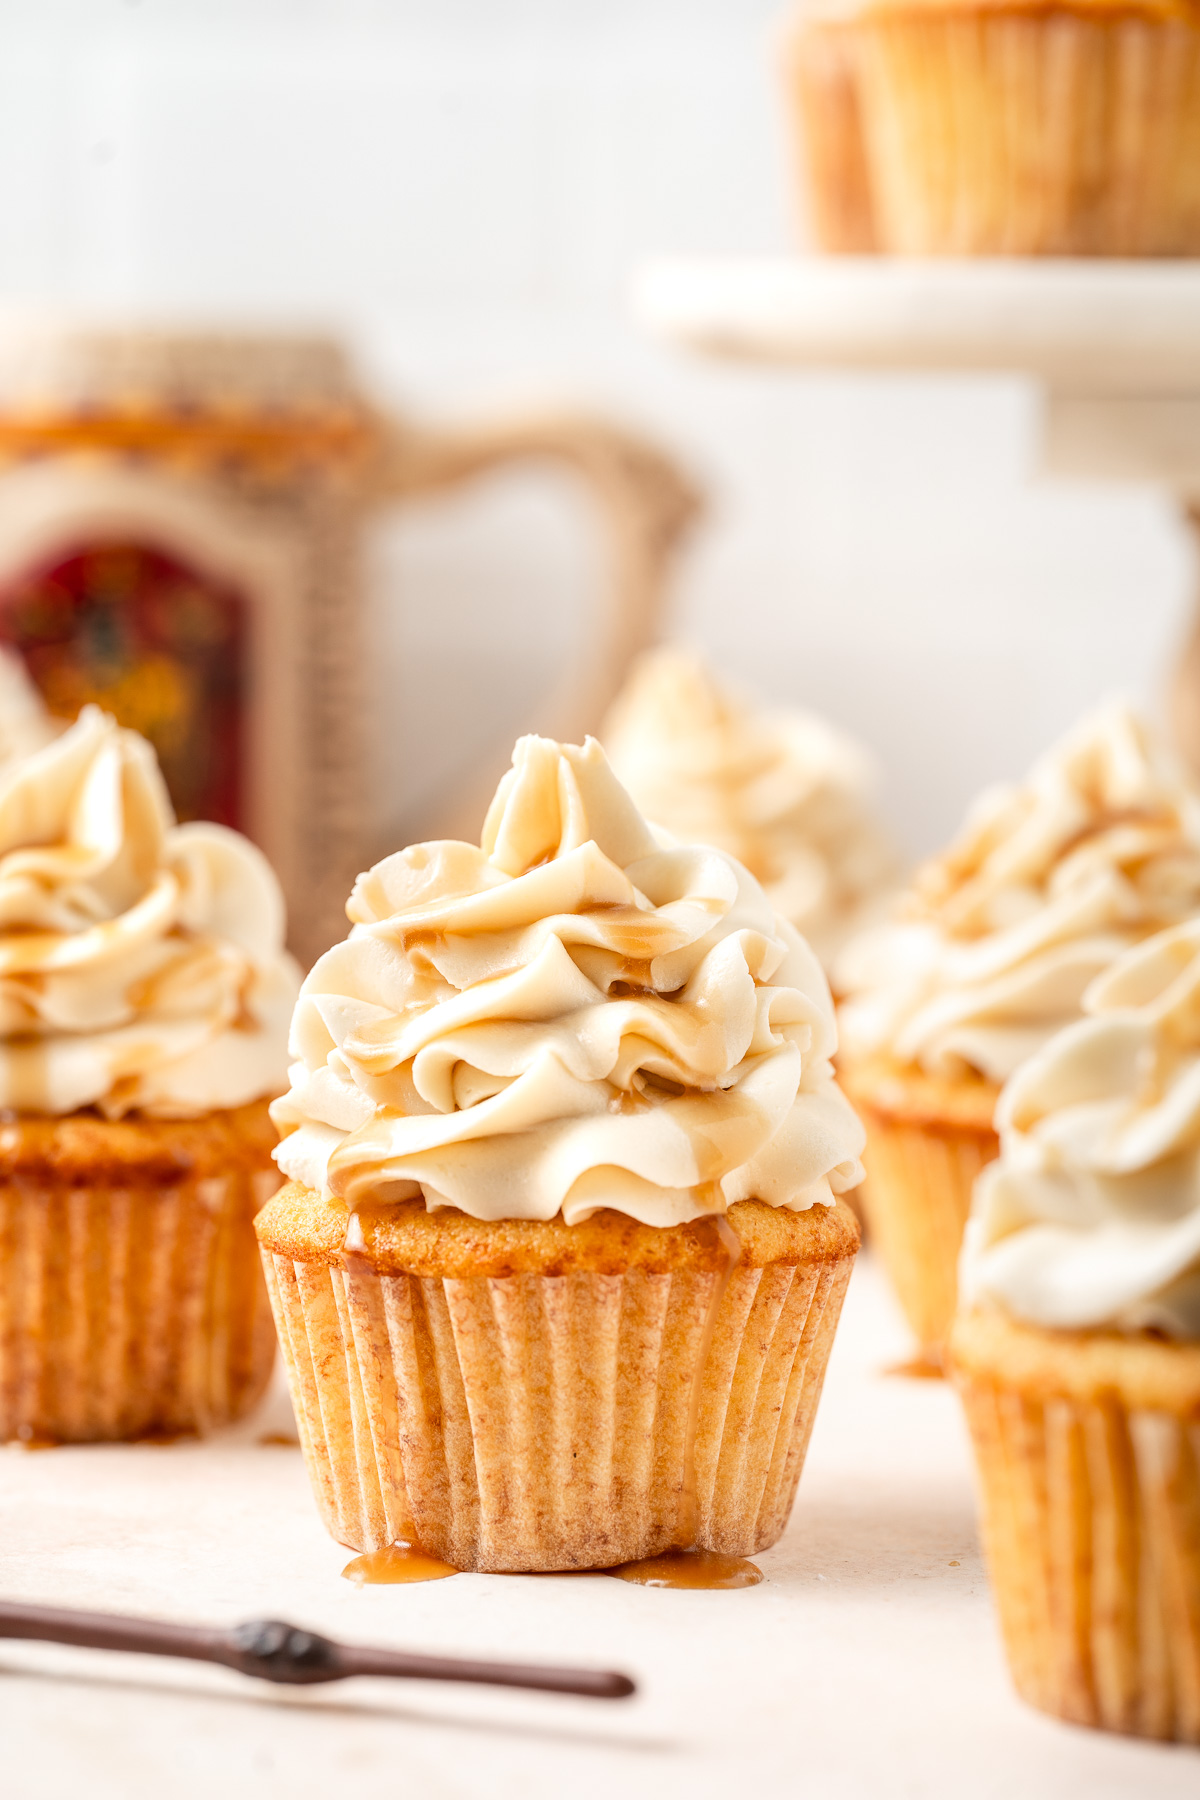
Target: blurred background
463	190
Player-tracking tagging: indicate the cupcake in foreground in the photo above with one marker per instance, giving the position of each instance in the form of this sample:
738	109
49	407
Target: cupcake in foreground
561	1259
144	1002
1078	1353
1003	128
994	947
783	792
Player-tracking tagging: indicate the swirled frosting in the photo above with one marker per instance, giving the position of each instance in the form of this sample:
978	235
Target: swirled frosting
568	1017
1091	1217
141	962
992	950
784	792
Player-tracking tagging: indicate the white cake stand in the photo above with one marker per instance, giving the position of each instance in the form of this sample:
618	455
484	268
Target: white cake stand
1114	345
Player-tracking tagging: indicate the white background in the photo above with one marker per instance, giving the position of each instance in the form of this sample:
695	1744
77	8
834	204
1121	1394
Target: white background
463	187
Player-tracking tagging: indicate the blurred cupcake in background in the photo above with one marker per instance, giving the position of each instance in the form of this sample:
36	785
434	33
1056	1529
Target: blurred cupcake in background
1008	127
989	954
1077	1352
559	1267
819	59
144	1003
784	792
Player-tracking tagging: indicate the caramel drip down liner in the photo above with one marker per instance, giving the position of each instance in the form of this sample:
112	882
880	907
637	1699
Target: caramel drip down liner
1091	1525
132	1310
531	1421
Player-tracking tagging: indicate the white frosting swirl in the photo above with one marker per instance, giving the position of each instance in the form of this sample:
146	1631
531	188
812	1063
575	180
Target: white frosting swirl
1091	1217
567	1018
784	792
1049	881
141	963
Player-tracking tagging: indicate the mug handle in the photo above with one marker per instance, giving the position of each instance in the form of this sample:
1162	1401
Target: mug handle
1185	680
646	504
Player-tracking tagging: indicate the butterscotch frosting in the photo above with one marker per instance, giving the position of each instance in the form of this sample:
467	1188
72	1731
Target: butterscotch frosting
141	962
784	792
992	950
1091	1217
567	1017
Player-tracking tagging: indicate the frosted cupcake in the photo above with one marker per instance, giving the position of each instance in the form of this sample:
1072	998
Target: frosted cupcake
561	1259
998	939
782	791
1078	1353
144	1001
1032	127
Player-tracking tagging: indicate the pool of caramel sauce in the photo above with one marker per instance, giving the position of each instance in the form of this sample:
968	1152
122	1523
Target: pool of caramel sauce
690	1569
394	1564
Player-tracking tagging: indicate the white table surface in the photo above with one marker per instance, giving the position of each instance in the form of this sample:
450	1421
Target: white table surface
866	1664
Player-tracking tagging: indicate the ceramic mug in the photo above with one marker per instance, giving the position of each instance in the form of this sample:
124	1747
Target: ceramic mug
180	529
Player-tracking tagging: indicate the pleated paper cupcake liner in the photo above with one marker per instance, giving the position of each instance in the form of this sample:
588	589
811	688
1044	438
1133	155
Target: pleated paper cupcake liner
821	79
533	1421
1049	132
128	1311
916	1196
1091	1524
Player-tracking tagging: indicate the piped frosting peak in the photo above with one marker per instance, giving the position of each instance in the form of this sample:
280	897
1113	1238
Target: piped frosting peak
1091	1217
141	962
567	1017
783	791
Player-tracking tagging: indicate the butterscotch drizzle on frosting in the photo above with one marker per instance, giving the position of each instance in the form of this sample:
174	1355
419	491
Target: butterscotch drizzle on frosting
141	962
567	1017
1050	880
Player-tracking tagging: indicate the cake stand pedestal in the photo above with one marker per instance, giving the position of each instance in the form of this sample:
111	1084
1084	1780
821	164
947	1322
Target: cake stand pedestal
1114	347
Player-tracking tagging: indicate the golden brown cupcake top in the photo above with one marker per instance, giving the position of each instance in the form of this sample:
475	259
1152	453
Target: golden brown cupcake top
406	1238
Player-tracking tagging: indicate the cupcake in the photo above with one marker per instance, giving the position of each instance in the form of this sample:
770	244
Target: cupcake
1077	1353
561	1258
782	791
821	82
989	955
144	1002
1032	127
